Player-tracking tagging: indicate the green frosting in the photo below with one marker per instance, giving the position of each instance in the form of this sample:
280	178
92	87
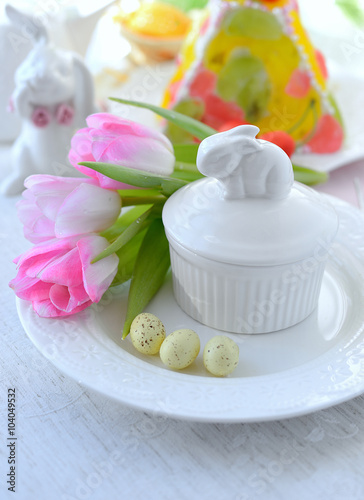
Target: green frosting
252	23
244	80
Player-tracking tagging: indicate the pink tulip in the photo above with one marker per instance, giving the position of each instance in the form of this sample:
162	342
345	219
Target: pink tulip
59	207
111	139
58	277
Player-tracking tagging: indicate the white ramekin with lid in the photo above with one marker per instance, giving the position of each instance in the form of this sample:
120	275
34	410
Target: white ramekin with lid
248	245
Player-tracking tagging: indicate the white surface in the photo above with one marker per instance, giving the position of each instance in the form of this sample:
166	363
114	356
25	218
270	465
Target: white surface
307	367
75	444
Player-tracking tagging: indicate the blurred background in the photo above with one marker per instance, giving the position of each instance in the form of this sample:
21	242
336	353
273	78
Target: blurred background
116	36
130	46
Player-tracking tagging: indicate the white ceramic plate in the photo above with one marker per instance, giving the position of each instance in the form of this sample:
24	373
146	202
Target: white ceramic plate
314	365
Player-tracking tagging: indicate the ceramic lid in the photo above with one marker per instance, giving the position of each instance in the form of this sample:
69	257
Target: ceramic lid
248	210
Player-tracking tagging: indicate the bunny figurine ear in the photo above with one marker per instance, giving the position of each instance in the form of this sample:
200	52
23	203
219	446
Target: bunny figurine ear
37	32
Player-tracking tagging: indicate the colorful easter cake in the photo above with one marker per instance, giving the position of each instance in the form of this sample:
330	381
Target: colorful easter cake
251	61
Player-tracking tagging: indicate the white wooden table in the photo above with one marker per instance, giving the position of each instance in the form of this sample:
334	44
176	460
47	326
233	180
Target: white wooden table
73	443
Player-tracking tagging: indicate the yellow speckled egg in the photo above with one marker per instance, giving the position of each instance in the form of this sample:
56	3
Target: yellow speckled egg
180	349
220	356
147	333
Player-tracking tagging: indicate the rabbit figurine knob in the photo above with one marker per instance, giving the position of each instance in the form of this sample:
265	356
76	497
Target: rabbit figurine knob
53	95
246	167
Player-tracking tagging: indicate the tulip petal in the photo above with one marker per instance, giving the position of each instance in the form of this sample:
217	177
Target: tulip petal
41	230
78	294
29	288
75	160
50	204
40	183
107	183
35	265
27	209
50	193
111	125
64	270
135	152
60	297
68	299
81	142
87	209
97	277
52	247
46	309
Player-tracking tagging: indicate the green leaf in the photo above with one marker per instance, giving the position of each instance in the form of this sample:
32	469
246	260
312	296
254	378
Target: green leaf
194	127
352	10
181	166
138	193
186	153
168	187
124	221
133	197
308	176
134	228
127	257
188	175
150	270
192	107
135	177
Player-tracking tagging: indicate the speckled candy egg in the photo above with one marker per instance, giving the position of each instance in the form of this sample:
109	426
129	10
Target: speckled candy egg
147	333
220	356
180	349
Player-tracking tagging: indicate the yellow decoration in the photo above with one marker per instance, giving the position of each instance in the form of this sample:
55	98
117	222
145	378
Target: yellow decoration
156	20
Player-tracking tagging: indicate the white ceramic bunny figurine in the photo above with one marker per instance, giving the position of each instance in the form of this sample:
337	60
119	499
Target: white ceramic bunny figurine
244	165
53	95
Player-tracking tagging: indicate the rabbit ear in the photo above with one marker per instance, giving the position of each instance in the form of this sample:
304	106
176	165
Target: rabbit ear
33	30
